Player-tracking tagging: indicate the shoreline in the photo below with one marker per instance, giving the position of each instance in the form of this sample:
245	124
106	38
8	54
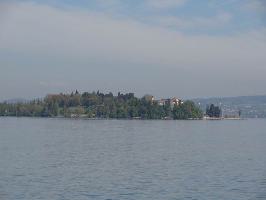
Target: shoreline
132	119
88	118
223	118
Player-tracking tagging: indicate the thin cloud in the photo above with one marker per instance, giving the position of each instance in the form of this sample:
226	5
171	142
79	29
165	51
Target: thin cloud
256	5
164	4
195	23
77	35
88	48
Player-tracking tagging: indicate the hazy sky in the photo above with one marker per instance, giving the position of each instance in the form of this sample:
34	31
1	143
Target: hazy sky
183	48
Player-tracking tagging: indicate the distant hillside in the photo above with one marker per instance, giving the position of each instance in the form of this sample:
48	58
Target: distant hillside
250	106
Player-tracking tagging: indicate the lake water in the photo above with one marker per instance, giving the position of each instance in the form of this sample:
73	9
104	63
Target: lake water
65	159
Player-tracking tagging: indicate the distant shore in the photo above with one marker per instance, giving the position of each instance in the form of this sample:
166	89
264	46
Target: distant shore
97	105
222	118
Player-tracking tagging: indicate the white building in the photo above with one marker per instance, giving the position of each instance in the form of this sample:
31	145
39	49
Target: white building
172	102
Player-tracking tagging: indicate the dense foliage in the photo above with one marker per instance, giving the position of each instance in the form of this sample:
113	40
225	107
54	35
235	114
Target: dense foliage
213	111
99	105
187	110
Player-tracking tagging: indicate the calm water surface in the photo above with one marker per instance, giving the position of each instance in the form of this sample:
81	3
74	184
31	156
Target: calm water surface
139	160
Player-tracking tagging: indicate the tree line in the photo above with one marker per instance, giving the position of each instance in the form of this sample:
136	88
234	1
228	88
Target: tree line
100	105
214	111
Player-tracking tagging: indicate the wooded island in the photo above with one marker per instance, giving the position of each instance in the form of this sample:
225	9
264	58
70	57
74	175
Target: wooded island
97	105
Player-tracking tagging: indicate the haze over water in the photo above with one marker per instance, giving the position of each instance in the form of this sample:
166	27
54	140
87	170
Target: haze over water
126	159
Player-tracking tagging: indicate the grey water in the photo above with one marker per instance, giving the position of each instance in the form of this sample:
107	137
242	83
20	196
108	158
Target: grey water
65	159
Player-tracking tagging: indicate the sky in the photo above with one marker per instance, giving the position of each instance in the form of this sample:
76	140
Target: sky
182	48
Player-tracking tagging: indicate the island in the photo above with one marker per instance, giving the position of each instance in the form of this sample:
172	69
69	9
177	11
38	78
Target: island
97	105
